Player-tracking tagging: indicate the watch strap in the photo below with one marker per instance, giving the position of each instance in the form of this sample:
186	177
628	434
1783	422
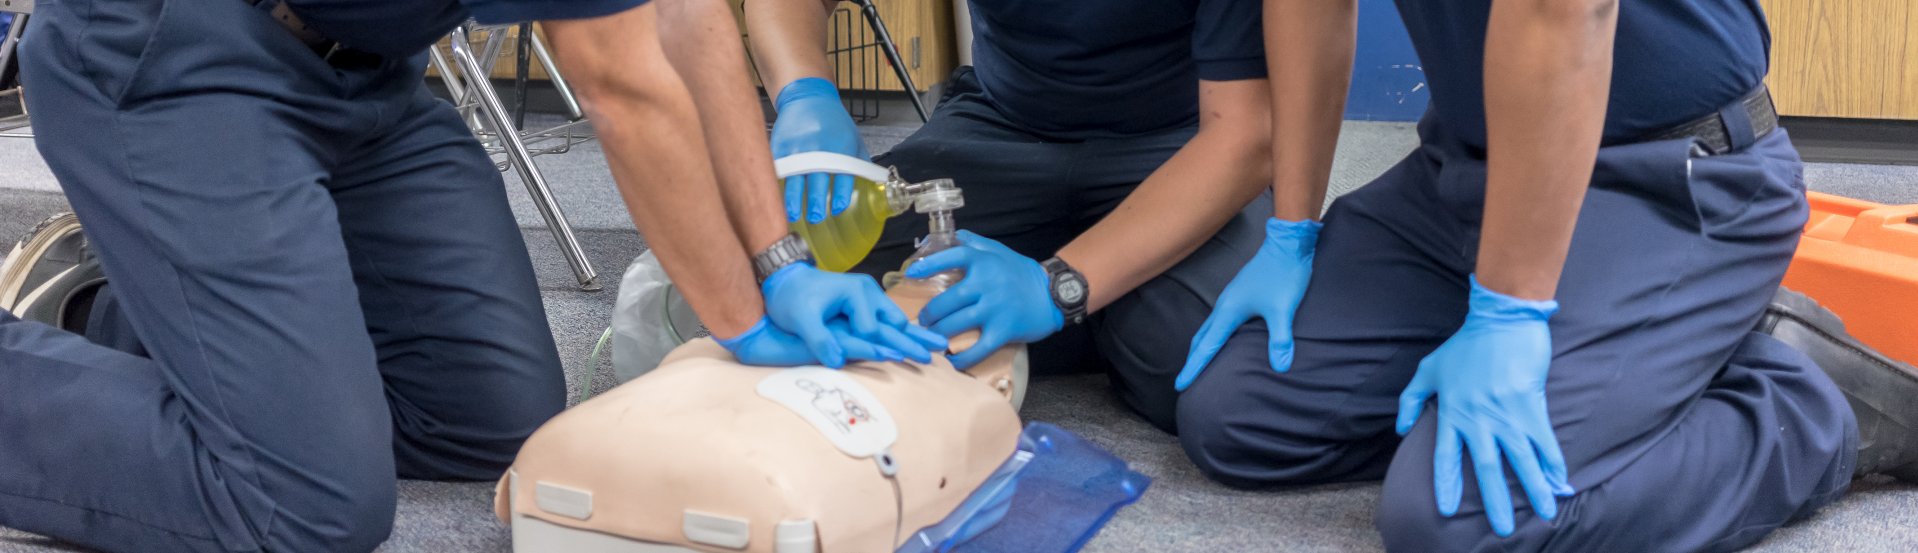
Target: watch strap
788	250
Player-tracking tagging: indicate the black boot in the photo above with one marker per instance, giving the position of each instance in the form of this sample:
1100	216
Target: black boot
1883	392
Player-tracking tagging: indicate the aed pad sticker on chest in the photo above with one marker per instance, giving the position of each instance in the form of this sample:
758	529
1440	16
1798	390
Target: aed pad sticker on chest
835	404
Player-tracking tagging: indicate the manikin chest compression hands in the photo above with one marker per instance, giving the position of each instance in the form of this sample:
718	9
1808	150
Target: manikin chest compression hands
769	346
816	317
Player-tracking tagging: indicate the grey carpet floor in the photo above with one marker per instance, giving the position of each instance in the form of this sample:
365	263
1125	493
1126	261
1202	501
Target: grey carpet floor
1181	511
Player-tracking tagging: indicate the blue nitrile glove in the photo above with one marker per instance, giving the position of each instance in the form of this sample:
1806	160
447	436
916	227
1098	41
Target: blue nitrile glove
1005	295
767	345
1269	287
800	299
811	119
1490	383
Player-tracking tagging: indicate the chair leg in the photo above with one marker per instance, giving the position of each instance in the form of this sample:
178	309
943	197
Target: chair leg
453	86
559	82
892	54
494	114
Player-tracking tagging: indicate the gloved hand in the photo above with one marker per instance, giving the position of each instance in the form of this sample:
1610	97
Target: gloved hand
801	299
767	345
1490	383
811	119
1005	295
1270	287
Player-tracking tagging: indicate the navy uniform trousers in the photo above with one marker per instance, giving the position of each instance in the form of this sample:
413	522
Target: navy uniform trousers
1683	430
327	286
1035	194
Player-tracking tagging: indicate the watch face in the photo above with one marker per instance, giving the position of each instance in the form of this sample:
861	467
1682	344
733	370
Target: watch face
1071	290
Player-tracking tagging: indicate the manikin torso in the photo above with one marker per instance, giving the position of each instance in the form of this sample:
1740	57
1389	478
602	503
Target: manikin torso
693	455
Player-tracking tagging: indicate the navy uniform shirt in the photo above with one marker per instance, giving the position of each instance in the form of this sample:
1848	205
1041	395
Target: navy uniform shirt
1675	60
1080	69
407	27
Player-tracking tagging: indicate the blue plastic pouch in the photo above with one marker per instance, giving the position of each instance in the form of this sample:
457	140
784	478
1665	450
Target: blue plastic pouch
1054	493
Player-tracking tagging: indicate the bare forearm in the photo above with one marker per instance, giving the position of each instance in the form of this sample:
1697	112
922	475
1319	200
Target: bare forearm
1309	61
700	40
651	136
789	40
1548	66
1184	202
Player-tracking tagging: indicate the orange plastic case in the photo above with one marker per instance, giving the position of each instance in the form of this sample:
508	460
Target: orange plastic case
1860	259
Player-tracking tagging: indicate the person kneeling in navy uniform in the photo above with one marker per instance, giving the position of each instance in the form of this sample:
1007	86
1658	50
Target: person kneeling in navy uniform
1542	328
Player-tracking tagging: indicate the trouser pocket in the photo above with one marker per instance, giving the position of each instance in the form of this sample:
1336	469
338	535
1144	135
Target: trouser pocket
161	48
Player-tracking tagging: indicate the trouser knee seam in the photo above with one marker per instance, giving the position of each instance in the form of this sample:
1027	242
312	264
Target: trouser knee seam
115	515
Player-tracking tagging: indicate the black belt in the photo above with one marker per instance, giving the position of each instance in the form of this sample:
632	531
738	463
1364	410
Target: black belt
322	46
1732	128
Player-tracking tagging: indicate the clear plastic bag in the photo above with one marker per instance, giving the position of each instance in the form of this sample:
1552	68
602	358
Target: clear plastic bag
649	319
1055	493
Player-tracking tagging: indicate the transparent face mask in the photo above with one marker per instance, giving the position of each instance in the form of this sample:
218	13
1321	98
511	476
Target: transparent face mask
937	199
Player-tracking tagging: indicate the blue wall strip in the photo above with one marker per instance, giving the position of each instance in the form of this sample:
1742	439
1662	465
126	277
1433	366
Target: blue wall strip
1388	84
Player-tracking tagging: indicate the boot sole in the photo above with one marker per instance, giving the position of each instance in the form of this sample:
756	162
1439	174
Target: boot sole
20	261
47	303
1871	382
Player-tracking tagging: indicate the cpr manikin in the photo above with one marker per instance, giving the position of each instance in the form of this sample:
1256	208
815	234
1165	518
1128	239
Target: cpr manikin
707	454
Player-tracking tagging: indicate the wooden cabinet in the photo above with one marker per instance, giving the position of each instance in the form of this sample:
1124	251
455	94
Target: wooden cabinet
1845	58
923	29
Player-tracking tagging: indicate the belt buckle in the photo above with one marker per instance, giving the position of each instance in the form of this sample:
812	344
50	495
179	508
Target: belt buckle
327	50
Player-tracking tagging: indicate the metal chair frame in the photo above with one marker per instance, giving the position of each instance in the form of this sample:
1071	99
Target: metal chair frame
467	76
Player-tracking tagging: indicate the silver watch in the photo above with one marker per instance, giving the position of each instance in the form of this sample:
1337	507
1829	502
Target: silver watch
788	250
